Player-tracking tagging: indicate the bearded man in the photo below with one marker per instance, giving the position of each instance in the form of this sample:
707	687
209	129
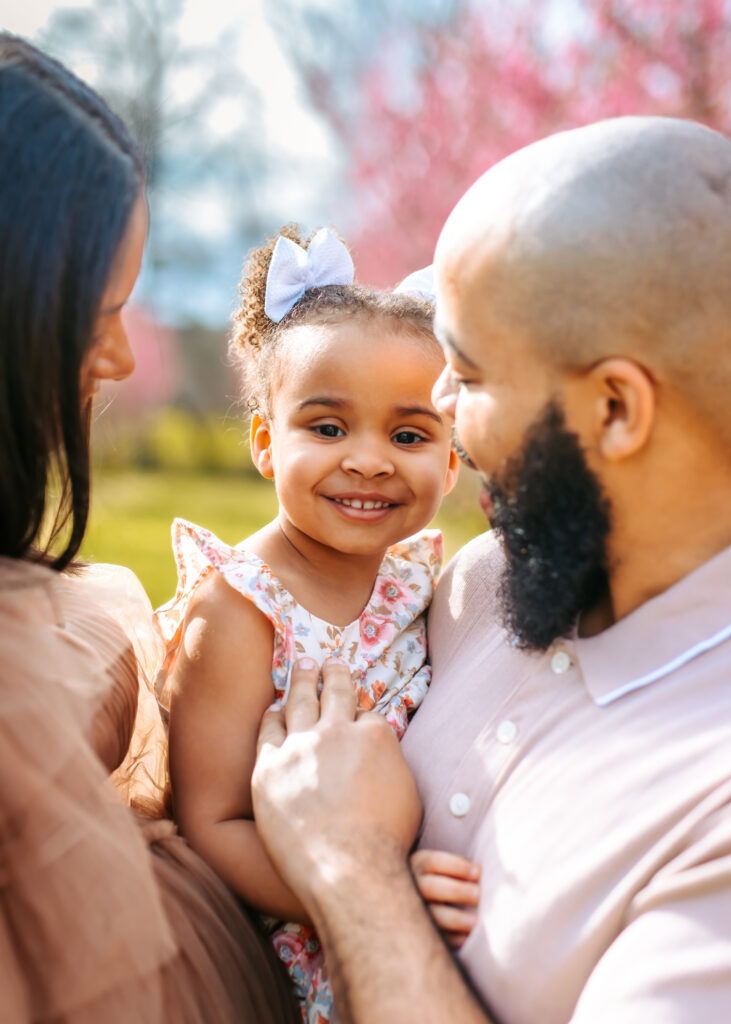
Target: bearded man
576	740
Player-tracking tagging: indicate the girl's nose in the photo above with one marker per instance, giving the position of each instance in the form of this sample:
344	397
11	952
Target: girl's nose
368	460
444	393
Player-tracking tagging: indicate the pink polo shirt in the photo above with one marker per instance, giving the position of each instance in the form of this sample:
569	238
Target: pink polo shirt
593	785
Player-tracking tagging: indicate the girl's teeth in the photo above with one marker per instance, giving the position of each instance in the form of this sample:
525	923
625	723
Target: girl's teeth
357	503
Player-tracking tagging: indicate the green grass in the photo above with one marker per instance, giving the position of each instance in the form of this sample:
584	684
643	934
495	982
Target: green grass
132	510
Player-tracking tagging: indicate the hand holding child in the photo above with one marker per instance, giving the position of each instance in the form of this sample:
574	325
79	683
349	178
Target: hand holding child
449	886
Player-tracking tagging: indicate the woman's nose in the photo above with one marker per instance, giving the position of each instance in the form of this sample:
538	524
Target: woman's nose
114	359
123	357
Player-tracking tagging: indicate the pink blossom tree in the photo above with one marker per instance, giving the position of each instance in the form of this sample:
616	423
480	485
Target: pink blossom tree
439	102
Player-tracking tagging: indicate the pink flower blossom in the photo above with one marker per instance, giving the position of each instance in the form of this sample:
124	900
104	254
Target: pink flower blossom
376	630
391	592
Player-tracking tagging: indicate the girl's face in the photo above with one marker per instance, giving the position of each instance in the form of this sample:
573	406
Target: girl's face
359	455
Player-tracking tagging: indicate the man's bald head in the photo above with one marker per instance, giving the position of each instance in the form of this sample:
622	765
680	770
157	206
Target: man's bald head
610	240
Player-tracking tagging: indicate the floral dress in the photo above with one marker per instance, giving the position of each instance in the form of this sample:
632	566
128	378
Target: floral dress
385	648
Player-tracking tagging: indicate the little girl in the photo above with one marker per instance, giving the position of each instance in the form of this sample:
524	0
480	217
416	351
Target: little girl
339	383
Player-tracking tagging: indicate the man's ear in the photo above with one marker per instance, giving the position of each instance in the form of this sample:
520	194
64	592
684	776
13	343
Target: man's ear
261	446
624	411
452	471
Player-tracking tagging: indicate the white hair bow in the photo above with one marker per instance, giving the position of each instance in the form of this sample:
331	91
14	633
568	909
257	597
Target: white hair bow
420	283
293	270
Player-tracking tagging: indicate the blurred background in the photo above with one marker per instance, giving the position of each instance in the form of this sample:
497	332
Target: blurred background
371	115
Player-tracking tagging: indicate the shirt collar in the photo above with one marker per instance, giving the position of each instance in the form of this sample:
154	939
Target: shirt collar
691	617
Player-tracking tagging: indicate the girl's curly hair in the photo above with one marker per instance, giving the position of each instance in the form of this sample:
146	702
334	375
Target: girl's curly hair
255	338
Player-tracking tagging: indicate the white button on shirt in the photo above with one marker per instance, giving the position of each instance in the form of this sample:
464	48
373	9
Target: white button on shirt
560	662
459	804
507	731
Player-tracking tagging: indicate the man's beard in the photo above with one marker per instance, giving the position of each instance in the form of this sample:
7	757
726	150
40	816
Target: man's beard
554	521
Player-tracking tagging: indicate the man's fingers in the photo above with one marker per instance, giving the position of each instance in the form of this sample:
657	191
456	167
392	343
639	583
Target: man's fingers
272	729
338	699
302	709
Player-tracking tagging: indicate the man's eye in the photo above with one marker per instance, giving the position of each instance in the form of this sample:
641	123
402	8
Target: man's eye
329	430
407	437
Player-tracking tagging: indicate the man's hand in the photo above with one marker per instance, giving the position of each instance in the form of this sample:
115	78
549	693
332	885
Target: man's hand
448	884
331	790
338	811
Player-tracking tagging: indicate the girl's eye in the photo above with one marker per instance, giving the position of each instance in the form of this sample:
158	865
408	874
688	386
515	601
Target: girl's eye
407	437
329	430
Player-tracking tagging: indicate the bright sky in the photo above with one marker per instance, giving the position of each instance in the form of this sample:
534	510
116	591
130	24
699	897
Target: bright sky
204	21
305	160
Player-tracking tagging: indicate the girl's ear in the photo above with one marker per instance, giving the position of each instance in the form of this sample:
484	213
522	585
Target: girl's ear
452	471
261	446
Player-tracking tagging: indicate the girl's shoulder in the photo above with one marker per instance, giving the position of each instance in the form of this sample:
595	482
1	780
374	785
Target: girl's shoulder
198	553
408	576
420	555
196	547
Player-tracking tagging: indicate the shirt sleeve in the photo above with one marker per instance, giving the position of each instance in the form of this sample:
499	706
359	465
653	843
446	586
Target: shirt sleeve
83	929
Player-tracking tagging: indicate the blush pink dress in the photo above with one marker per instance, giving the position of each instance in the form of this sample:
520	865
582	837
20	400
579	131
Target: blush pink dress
106	915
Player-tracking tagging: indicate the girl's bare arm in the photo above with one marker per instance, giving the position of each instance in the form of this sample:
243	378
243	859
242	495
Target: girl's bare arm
221	687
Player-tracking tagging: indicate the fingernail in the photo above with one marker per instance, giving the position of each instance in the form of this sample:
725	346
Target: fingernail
305	663
334	661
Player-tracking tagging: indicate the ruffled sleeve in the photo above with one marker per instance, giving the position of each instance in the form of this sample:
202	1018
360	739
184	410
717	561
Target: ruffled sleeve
198	552
393	627
138	754
420	558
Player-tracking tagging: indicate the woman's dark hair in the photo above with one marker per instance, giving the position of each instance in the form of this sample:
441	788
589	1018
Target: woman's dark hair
70	175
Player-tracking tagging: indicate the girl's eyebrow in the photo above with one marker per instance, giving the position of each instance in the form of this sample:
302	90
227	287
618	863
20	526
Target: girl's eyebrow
333	403
339	403
418	410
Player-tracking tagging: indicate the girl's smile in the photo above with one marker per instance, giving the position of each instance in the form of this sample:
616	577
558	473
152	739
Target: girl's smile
370	507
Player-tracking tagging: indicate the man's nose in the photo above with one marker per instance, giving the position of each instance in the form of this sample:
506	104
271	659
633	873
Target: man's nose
444	393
